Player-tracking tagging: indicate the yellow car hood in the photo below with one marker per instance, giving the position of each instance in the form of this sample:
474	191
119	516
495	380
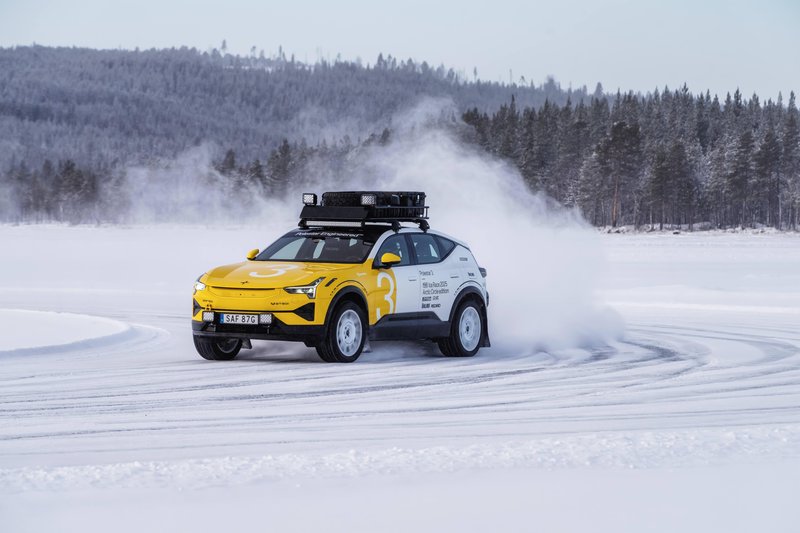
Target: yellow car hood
270	274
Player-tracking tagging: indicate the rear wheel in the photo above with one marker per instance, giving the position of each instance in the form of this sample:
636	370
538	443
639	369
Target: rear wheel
466	331
346	334
216	349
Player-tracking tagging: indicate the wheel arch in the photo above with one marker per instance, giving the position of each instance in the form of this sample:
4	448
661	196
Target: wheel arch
352	294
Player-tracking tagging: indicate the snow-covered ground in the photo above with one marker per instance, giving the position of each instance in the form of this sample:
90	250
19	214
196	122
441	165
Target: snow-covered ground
110	421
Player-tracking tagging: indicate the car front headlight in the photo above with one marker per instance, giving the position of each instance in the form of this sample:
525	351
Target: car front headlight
309	290
199	285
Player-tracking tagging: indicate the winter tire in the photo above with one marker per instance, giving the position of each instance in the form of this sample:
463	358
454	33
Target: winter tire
323	353
216	349
346	334
466	331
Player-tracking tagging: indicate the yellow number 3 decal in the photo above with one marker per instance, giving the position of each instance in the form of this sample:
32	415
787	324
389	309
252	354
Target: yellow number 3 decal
389	295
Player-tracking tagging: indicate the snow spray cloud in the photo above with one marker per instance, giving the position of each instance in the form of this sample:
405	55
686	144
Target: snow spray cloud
543	260
188	190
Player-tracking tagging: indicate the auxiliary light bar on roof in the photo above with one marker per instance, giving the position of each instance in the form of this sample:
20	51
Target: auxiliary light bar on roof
362	207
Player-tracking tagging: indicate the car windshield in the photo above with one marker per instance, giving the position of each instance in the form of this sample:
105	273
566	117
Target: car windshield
316	246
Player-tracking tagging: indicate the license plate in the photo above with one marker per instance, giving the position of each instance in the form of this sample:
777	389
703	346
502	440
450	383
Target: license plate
227	318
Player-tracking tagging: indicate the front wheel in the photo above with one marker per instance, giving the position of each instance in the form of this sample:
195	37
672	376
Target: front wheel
466	331
216	349
346	334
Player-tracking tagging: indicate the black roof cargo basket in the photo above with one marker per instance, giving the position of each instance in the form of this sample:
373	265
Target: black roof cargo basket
361	207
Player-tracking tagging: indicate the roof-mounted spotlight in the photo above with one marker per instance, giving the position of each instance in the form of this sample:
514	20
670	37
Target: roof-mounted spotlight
356	208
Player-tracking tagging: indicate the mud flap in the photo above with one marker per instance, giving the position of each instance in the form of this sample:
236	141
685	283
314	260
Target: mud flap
485	342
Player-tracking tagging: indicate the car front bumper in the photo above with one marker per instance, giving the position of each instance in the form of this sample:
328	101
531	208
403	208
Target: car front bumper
276	331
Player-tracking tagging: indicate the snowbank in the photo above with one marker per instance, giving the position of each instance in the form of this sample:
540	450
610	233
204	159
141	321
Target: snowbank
32	332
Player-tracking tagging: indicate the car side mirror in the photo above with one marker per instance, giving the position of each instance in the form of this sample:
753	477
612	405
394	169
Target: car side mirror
389	259
252	254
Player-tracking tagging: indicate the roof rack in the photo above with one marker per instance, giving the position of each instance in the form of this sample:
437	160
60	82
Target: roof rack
363	207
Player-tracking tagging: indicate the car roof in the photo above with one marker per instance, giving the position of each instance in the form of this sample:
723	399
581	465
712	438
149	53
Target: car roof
405	229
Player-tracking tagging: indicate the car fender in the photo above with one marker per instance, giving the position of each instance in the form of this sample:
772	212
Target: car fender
340	294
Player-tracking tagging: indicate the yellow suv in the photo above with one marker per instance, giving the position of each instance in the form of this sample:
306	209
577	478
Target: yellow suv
349	272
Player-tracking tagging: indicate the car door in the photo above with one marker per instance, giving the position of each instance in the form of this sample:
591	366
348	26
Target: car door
435	276
401	280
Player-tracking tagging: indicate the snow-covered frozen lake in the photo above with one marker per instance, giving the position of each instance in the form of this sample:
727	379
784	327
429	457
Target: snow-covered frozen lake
690	421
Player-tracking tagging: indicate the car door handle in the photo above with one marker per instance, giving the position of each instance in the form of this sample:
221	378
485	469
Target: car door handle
454	276
412	279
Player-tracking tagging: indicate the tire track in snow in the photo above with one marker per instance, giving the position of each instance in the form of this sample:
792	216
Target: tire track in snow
151	395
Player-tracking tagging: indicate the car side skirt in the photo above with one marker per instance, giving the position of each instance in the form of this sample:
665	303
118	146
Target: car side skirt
409	326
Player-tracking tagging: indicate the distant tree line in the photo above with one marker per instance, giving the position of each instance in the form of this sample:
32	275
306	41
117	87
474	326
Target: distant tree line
66	192
55	192
668	158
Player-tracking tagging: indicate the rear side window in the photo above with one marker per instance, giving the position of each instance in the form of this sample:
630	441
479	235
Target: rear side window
445	245
426	248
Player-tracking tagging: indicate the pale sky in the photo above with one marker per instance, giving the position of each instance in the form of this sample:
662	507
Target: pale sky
712	44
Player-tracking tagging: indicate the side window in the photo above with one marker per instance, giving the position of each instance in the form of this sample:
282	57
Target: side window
445	245
425	248
396	244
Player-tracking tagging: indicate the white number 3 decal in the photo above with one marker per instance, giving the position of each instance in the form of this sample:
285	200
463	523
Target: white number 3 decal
389	296
277	270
